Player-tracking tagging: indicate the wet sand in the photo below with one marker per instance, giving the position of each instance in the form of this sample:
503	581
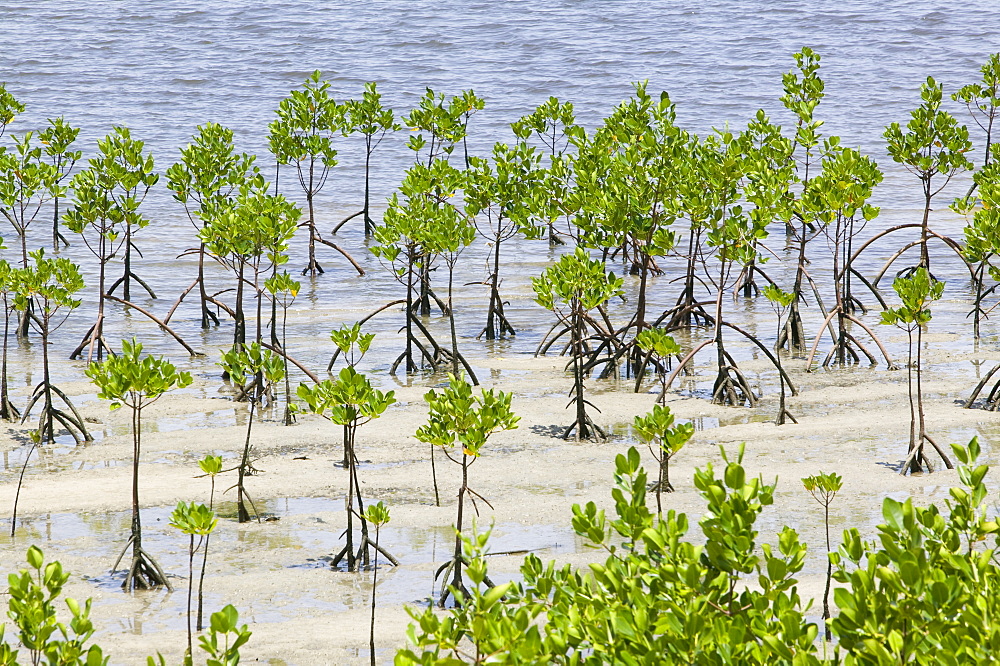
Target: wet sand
75	501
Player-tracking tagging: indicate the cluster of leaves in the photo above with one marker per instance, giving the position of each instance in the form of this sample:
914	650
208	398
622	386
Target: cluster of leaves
926	592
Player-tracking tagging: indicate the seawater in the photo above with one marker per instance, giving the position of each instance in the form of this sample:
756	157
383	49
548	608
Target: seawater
162	68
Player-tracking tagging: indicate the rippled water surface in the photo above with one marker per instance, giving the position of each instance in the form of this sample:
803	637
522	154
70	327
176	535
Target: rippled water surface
162	68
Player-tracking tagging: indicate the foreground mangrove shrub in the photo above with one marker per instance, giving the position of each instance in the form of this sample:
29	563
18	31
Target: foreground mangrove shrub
925	592
43	638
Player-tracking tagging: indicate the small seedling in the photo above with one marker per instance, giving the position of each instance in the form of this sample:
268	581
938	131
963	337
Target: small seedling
377	515
917	292
350	401
212	466
664	441
195	520
458	418
659	348
823	488
780	302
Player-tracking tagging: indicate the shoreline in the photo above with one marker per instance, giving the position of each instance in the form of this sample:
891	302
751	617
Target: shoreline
302	612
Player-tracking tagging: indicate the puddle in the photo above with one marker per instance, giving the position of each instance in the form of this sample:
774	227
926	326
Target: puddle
303	534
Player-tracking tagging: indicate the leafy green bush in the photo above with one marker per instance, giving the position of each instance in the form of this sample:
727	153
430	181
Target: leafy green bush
927	592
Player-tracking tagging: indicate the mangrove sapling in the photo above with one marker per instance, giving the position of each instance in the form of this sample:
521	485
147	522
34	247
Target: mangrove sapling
47	289
195	520
368	117
350	401
935	563
824	488
57	138
254	370
283	289
447	235
353	344
837	202
503	199
553	123
780	301
206	182
737	169
982	244
916	292
446	120
696	203
660	596
136	382
308	120
982	99
211	466
250	237
626	178
27	182
133	175
377	515
222	624
664	440
458	418
571	288
659	348
105	212
932	148
409	239
803	92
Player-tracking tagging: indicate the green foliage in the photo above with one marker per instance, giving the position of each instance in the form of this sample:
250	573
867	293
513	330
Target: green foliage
349	400
225	638
211	465
823	487
804	90
656	599
917	292
243	364
657	428
368	116
781	299
210	173
351	342
31	607
445	119
553	122
458	417
982	99
193	519
425	222
108	193
133	380
658	342
26	183
308	119
575	279
377	514
927	590
46	287
257	226
933	141
626	177
9	108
